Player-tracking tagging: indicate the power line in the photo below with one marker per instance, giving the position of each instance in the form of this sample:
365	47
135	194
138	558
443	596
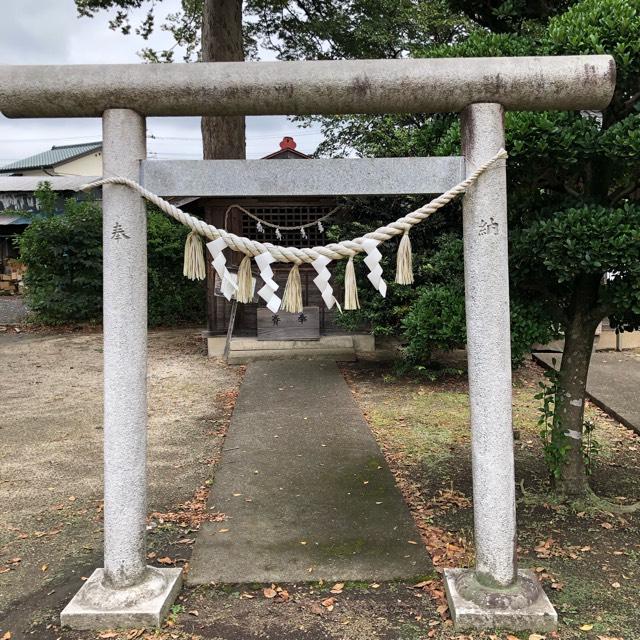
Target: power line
269	137
151	137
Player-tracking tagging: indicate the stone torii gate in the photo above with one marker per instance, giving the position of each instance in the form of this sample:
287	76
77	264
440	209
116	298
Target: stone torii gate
126	592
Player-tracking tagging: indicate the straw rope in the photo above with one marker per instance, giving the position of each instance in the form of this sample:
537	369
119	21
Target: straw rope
266	223
333	251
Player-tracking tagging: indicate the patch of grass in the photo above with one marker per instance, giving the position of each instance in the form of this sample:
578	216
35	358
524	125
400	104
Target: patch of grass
423	426
590	601
424	431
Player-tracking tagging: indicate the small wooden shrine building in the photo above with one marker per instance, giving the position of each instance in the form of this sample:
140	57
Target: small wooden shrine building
287	221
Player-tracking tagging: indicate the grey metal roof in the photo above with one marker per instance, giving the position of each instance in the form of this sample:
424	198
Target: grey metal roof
13	184
53	157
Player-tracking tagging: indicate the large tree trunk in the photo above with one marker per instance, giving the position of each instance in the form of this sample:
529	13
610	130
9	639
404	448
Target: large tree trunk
222	137
572	383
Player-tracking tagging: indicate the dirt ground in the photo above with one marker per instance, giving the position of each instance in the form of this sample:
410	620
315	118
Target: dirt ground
50	501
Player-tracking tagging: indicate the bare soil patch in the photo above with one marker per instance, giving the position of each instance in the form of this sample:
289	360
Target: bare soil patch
51	460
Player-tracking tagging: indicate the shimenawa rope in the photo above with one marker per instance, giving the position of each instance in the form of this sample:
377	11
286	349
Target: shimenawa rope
194	259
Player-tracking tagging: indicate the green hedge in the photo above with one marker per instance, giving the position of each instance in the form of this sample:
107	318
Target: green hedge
63	282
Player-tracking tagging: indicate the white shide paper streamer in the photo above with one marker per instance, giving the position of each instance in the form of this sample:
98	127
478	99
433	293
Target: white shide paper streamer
322	281
268	291
373	262
228	281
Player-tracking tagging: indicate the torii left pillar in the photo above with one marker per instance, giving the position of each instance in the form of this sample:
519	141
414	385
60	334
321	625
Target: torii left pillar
126	592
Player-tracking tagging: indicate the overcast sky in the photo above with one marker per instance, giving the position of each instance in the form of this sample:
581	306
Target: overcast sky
49	32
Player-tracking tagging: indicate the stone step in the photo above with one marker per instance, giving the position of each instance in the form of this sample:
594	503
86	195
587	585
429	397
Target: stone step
254	355
325	342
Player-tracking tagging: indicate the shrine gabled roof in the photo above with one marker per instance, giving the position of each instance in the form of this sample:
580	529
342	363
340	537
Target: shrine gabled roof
287	151
286	154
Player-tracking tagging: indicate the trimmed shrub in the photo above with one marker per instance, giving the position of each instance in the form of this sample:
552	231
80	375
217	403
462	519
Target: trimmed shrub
63	282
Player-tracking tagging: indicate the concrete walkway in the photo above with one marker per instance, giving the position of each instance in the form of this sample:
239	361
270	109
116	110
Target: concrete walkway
305	487
613	383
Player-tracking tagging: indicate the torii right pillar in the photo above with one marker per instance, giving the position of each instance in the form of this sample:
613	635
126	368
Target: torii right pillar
495	593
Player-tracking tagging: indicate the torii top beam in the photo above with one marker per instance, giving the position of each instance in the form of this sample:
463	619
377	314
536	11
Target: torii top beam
310	87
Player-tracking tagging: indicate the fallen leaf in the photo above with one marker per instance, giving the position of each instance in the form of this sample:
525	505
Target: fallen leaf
615	585
108	634
269	592
536	636
606	525
328	603
193	612
337	587
6	636
44	567
165	560
186	541
586	627
374	585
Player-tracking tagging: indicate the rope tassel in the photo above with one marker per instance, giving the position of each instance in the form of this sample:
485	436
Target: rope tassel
292	298
194	266
351	301
404	261
245	281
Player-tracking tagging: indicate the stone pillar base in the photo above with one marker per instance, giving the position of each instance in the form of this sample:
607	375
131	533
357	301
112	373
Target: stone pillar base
524	606
97	606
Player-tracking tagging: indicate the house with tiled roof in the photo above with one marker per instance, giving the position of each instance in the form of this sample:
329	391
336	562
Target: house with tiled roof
65	167
83	159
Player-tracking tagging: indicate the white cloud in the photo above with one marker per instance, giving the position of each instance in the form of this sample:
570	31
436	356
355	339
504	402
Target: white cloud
50	32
